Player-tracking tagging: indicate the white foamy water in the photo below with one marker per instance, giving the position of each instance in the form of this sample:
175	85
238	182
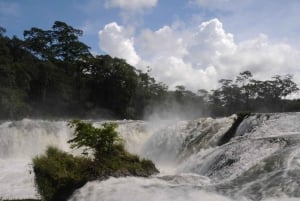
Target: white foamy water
20	141
261	163
137	189
176	141
270	125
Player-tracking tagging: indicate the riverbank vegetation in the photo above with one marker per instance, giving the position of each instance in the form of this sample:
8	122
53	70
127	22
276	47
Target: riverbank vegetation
58	174
51	73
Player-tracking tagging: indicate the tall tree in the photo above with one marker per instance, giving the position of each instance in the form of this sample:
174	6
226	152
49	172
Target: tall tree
243	80
112	83
60	43
39	42
12	89
148	95
66	45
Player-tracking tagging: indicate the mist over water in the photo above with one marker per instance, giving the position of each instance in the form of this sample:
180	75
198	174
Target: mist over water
261	162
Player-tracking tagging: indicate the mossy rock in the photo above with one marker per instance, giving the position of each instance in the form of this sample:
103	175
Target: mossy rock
58	174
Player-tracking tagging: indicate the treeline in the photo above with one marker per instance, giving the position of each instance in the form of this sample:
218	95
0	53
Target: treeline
247	94
51	73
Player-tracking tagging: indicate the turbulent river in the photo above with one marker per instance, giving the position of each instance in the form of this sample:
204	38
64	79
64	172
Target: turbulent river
260	162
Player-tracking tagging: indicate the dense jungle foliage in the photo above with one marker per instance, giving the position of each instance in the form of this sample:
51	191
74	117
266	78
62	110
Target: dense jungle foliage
51	73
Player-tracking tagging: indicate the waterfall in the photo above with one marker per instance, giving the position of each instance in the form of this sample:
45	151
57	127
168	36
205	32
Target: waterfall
20	141
260	162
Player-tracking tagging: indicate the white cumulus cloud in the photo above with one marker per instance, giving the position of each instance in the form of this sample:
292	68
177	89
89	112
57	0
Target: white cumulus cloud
208	43
171	43
116	41
197	57
131	4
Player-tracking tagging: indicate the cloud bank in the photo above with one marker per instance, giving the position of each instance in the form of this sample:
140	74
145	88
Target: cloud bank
198	57
131	4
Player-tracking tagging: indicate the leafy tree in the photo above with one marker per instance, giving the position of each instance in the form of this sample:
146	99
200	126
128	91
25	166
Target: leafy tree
59	75
283	86
39	42
60	43
2	31
66	45
51	90
112	83
180	93
13	91
249	94
148	95
101	141
228	95
243	81
276	89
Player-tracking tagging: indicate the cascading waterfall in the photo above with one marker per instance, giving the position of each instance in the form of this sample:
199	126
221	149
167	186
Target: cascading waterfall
20	141
260	162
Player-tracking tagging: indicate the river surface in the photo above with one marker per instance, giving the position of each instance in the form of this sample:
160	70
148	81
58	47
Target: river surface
261	161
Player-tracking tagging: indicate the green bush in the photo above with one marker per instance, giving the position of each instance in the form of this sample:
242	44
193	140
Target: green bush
57	173
101	141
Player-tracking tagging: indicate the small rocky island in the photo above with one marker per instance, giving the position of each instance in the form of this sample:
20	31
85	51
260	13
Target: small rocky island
58	174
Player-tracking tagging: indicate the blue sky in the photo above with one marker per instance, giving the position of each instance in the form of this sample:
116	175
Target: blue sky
90	15
185	42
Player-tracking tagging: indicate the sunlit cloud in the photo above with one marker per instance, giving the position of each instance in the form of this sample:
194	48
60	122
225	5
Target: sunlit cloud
132	5
116	41
198	58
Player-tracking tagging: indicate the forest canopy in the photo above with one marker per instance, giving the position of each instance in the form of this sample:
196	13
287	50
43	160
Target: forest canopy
51	73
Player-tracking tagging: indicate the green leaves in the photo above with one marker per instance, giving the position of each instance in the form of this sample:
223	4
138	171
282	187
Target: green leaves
101	141
58	173
113	83
248	94
60	43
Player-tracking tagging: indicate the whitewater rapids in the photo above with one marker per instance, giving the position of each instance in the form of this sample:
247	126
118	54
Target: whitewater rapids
260	162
